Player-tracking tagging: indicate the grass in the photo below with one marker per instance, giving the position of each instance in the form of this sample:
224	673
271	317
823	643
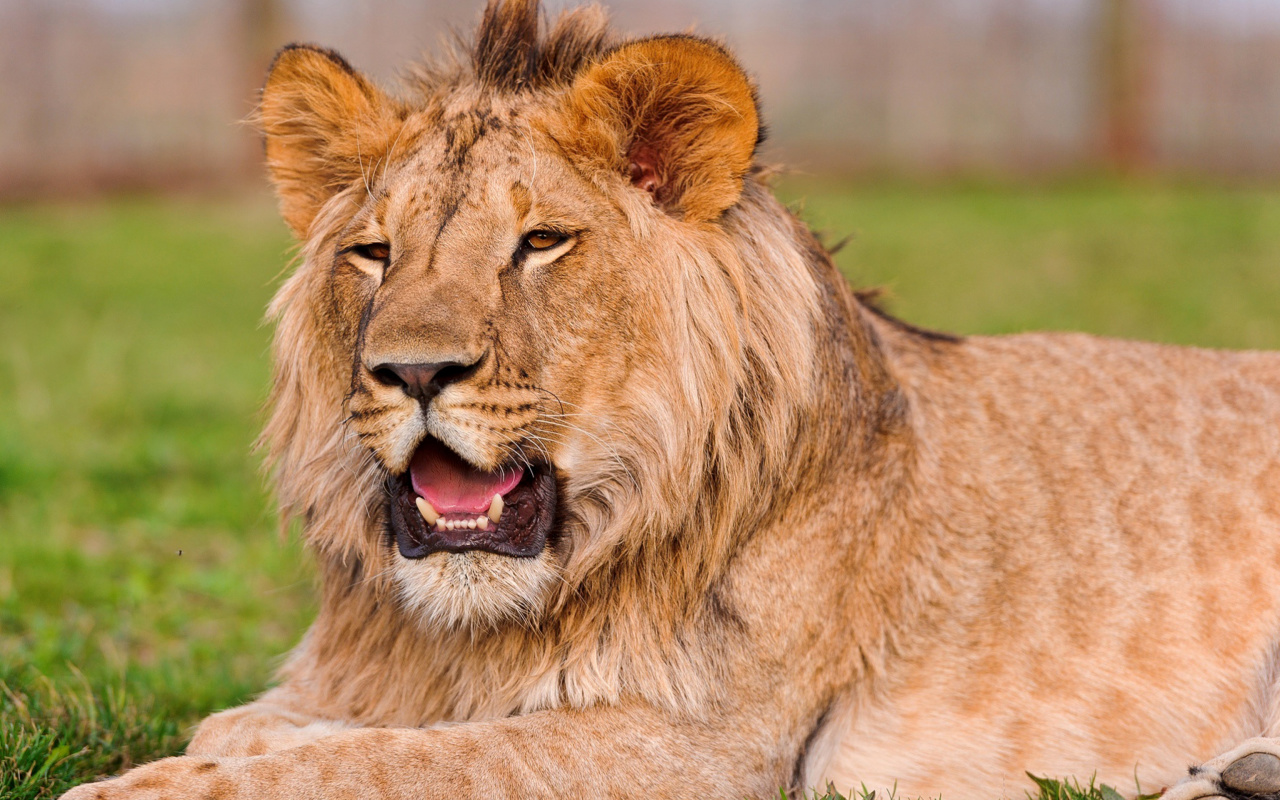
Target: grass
142	580
1047	789
1169	264
1072	789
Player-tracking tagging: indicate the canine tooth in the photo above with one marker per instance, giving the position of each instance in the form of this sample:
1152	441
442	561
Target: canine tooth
495	508
482	523
427	511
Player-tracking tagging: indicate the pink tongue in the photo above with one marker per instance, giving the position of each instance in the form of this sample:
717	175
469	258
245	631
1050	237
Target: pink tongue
450	484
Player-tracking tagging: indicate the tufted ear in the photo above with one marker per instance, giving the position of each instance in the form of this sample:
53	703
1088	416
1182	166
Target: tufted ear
326	126
675	114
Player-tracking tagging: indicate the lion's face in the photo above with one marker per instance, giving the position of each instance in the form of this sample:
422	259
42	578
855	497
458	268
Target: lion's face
490	363
508	278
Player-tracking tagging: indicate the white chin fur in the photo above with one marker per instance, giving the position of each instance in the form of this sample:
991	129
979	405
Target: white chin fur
473	589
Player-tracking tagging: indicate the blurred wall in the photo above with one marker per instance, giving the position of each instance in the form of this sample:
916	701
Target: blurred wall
102	94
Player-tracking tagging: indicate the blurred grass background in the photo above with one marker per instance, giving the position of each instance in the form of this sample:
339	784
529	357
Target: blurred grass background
143	583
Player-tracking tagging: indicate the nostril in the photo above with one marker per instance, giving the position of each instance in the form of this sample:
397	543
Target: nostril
449	373
387	376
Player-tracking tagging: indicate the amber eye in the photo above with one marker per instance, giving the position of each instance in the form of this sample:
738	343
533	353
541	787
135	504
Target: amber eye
543	240
374	251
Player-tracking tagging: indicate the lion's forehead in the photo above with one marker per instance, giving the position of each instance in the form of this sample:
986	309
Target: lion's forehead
506	188
481	161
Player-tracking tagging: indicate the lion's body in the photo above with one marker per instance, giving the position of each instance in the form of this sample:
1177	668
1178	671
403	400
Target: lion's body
1106	524
793	539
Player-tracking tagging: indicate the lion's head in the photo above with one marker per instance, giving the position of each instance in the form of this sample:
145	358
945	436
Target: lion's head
549	327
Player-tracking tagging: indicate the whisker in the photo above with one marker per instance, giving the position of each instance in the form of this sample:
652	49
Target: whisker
605	444
514	450
387	161
541	445
554	396
360	161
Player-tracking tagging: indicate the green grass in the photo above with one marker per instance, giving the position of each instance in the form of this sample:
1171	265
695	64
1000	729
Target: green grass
1047	789
1177	265
143	583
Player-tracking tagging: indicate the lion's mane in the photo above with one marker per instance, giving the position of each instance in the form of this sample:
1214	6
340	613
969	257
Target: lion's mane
692	467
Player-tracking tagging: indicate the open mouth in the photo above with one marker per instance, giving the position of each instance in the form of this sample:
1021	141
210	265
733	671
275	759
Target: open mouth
444	504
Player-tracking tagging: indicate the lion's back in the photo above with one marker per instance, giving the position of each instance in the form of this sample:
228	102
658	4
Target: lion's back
1129	453
1097	409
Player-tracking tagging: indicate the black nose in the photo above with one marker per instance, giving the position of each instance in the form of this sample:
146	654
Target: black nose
421	381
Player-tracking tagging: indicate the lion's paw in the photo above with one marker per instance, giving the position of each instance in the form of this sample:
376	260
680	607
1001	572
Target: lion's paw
1250	771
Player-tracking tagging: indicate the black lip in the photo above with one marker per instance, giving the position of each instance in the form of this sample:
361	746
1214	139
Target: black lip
521	531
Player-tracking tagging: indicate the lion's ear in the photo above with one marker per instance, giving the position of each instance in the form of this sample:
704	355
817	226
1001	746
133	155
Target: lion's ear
675	114
326	126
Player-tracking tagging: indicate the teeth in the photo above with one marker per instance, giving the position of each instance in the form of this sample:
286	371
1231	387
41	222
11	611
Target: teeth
427	511
443	524
435	518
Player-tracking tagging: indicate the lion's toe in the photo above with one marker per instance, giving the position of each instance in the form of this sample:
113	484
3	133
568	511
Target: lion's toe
1256	773
1250	771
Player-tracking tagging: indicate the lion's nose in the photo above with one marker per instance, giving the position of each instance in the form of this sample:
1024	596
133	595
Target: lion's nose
421	381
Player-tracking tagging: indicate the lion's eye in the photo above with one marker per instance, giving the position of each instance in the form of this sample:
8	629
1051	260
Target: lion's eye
543	240
374	251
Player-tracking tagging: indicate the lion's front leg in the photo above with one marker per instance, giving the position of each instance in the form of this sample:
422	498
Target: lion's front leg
217	760
172	778
612	752
258	729
1251	770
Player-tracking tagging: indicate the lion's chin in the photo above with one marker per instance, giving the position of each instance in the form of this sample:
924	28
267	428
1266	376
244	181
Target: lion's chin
473	589
453	571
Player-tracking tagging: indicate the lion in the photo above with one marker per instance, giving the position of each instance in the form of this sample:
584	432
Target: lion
617	488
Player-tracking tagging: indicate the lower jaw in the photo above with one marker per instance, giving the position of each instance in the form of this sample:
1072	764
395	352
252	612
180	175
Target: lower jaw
470	591
521	532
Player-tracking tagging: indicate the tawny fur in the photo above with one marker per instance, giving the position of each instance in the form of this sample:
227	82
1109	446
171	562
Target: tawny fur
797	540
